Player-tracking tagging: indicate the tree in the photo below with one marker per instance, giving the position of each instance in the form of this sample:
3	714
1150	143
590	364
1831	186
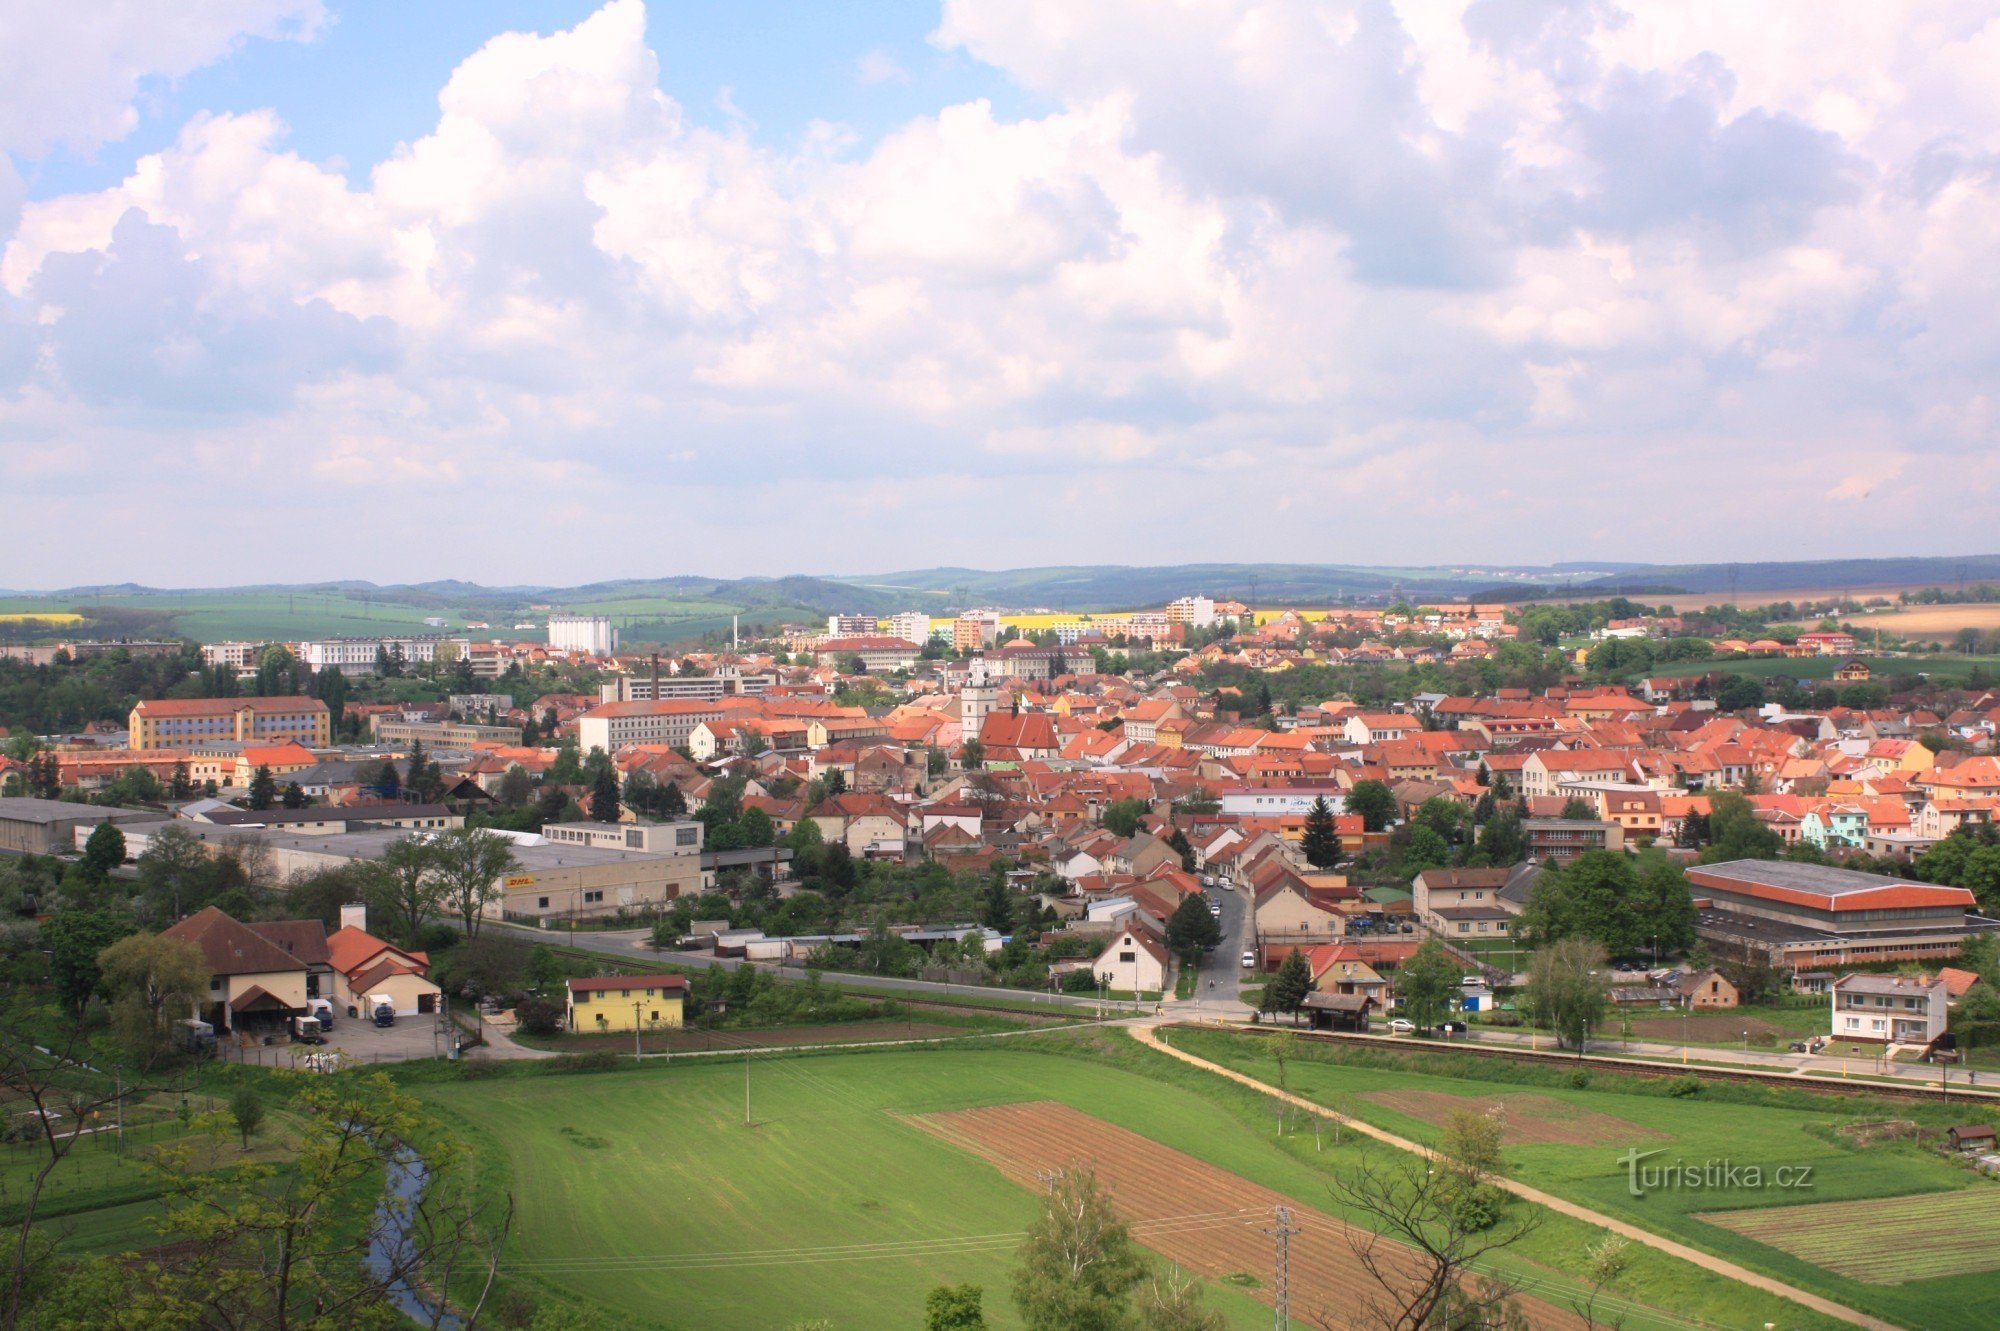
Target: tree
1121	817
1605	1263
171	871
1420	1245
1192	930
263	788
154	981
996	905
1425	850
470	862
104	851
1566	989
516	787
1079	1263
293	796
263	1245
1503	841
955	1308
755	828
388	780
1183	848
673	804
1173	1302
1735	832
179	785
401	884
972	754
1428	984
1593	896
1374	802
1321	843
604	807
75	938
1577	811
1289	987
247	1111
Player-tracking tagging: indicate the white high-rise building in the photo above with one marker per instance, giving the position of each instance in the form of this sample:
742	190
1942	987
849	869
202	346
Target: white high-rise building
911	626
590	634
850	626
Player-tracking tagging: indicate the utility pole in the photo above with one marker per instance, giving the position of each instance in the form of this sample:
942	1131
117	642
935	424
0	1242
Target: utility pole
635	1032
1281	1284
746	1090
1049	1178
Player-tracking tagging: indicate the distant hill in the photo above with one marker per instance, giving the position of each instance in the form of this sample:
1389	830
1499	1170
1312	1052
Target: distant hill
684	607
1828	574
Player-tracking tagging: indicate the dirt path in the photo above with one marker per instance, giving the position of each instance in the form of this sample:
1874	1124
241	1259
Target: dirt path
1208	1220
1148	1036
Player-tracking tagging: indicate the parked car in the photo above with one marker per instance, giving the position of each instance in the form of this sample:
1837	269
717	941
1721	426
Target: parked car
1403	1026
1250	960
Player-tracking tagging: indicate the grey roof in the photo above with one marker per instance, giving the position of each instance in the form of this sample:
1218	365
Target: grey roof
27	809
1817	878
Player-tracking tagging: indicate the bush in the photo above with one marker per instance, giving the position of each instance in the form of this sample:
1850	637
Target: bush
595	1062
1683	1087
539	1016
478	1069
1497	1018
1579	1079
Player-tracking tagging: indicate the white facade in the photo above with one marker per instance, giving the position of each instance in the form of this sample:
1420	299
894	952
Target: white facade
851	626
238	656
1280	801
911	626
356	656
614	725
590	634
1194	611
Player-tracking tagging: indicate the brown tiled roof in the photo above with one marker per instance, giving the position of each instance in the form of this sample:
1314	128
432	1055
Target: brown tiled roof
230	947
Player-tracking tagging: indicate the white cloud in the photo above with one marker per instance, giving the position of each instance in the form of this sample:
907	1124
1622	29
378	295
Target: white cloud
874	67
70	73
1503	275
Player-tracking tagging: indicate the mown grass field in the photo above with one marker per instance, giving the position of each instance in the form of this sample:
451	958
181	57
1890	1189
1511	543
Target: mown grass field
641	1196
1798	1129
1944	668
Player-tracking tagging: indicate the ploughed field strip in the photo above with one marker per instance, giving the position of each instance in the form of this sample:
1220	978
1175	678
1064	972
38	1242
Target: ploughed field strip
1206	1219
1525	1119
1882	1240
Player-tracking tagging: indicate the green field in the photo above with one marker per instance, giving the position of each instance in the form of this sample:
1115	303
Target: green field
641	1195
1942	667
1788	1129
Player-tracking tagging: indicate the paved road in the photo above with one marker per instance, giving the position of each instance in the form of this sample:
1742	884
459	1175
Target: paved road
1147	1035
1221	968
1766	1059
629	944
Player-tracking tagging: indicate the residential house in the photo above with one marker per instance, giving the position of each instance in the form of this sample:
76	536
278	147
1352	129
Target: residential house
1135	960
614	1003
1892	1009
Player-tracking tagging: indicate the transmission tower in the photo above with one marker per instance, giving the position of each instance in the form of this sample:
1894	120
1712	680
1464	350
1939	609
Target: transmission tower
1281	1283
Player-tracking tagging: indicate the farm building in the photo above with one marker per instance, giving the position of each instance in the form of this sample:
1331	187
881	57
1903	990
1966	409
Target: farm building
42	827
365	969
1338	1012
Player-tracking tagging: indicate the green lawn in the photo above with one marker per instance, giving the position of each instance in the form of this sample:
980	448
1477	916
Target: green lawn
1944	666
1789	1129
642	1195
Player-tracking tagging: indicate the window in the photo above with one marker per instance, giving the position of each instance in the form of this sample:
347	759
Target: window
685	836
1128	956
589	897
542	902
215	984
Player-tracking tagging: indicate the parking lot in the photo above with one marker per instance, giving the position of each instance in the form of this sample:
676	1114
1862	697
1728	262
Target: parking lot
358	1040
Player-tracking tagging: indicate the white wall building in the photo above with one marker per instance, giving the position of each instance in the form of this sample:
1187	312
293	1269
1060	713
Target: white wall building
850	626
589	634
356	656
1279	801
911	626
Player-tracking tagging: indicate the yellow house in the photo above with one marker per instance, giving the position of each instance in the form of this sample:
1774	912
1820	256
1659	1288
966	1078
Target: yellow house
626	1002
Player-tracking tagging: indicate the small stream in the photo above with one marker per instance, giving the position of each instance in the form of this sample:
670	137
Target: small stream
390	1246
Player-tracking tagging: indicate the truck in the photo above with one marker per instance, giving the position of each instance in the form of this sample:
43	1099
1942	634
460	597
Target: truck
195	1036
306	1030
382	1009
322	1009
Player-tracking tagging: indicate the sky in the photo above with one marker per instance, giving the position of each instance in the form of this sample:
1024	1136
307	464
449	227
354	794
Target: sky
556	292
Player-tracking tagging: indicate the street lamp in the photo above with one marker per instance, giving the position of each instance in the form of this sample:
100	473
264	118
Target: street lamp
635	1030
